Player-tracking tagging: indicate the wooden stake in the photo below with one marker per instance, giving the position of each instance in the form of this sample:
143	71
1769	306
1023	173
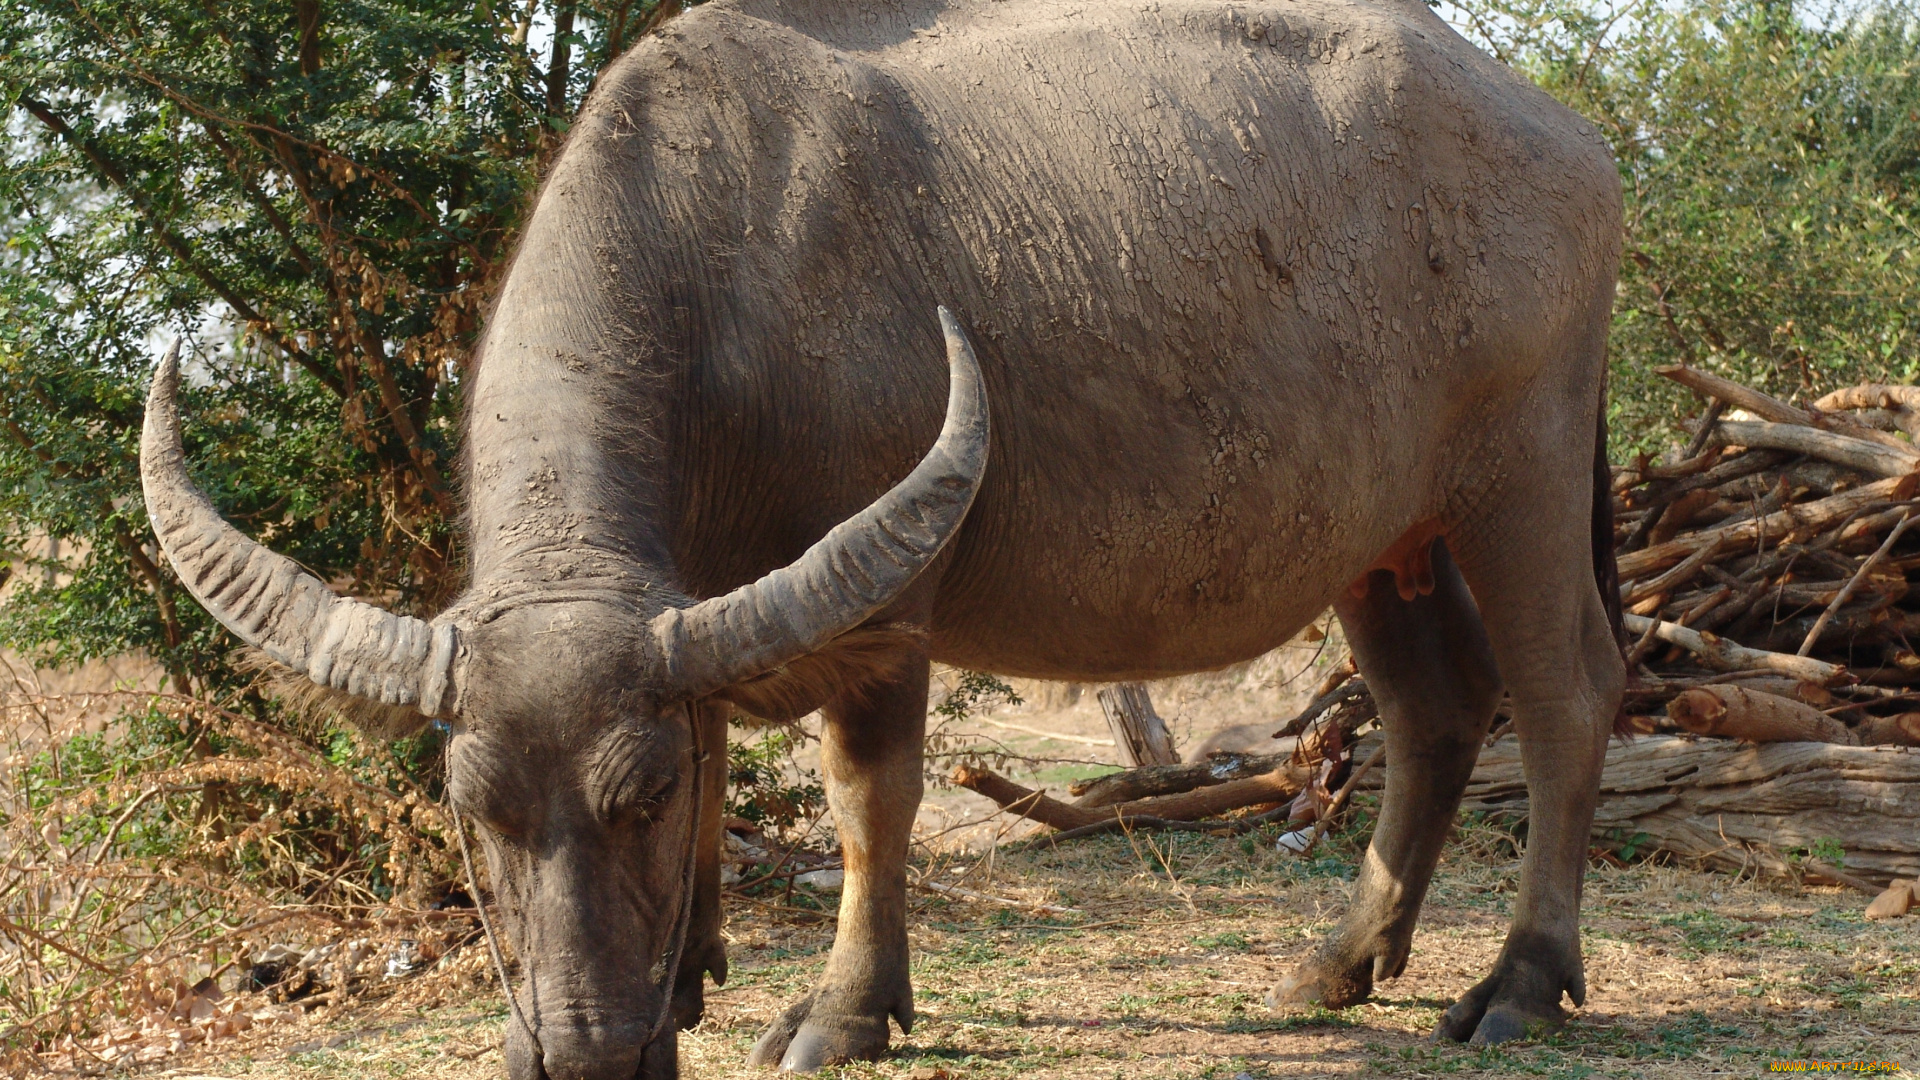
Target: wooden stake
1138	731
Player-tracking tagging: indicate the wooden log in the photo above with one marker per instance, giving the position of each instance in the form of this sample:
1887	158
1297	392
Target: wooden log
1772	408
1148	781
1717	652
1672	579
1735	712
1279	785
1871	396
1901	730
1807	519
1855	453
1138	731
1741	807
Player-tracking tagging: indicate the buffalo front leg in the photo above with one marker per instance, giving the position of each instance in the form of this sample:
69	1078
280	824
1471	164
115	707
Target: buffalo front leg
1430	668
870	751
1532	570
705	951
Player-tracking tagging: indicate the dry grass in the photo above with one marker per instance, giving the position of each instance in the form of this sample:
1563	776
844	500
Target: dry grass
1172	944
1162	974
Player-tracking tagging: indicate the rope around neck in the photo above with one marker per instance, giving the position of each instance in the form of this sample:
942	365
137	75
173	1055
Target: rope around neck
486	925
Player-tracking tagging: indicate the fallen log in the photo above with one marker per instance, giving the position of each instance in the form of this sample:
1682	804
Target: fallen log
1736	806
1723	655
1735	712
1148	781
1279	785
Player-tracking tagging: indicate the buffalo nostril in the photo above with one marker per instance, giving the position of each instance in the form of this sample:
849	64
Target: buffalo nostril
613	1052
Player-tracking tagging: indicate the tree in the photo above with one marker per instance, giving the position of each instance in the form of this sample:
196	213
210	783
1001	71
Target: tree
317	198
1771	163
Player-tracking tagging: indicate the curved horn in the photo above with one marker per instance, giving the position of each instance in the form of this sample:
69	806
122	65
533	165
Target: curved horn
853	571
267	600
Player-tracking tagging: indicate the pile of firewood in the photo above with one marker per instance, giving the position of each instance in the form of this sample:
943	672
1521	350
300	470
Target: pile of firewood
1777	545
1772	644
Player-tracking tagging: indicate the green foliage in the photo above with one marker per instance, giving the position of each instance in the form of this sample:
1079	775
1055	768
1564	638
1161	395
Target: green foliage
1826	850
766	787
1629	846
975	689
1770	156
316	198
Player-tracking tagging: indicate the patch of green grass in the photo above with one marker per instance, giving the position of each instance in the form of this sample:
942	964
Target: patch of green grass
1704	931
1267	1024
1067	774
1230	940
1786	937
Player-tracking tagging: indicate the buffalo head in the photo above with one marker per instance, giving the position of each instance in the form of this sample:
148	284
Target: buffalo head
572	745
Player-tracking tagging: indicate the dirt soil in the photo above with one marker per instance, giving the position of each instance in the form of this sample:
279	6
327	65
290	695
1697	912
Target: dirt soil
1159	964
1159	972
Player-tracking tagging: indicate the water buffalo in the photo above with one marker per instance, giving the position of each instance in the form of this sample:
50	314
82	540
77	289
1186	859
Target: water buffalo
1278	304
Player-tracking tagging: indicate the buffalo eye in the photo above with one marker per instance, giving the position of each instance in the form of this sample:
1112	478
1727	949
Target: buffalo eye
636	770
479	788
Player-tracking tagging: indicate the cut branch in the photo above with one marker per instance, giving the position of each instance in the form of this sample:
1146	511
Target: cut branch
1854	453
1768	407
1148	781
1806	518
1277	786
1723	655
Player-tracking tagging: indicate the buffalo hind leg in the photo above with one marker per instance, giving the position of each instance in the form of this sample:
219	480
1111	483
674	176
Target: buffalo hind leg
1429	666
705	951
870	753
1530	564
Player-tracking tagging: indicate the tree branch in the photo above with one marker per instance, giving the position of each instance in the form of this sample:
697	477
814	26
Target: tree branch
111	175
558	67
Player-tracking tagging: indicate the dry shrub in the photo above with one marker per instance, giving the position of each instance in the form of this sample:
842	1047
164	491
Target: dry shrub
152	845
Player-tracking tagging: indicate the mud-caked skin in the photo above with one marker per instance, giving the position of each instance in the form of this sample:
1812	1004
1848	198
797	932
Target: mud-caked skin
1255	308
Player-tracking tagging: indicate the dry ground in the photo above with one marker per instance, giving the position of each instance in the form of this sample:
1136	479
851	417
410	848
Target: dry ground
1160	972
1160	968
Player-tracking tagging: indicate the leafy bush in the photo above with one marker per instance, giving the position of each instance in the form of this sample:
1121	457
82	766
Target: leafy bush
317	199
1770	155
765	787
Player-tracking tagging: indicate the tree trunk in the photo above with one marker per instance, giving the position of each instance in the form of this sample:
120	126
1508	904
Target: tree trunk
1137	729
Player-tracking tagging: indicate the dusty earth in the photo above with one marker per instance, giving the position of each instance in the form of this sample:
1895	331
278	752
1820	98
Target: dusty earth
1159	970
1158	964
